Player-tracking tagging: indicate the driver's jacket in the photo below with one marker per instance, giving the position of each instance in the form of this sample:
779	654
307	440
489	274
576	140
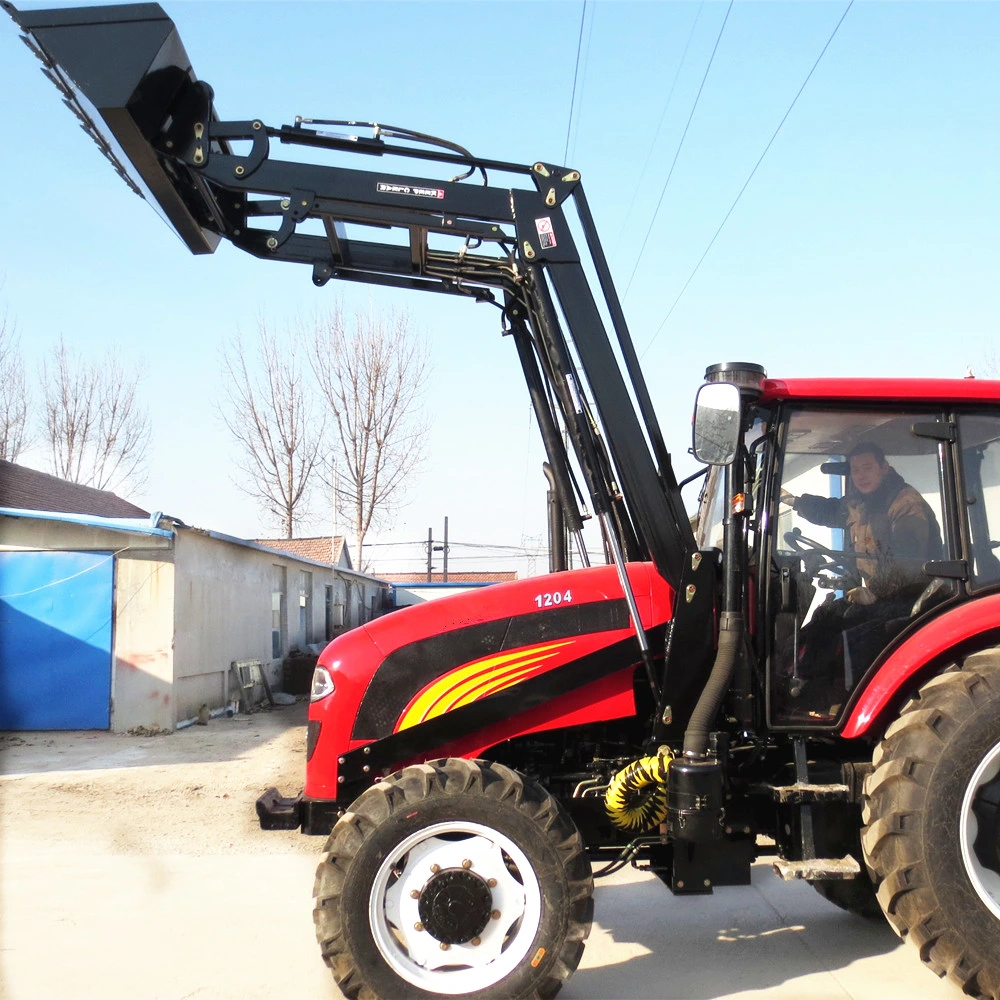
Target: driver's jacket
892	531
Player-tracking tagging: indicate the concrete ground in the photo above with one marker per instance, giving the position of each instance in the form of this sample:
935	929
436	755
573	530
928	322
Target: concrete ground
106	896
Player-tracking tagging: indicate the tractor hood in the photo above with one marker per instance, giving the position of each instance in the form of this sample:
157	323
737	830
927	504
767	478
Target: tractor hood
502	659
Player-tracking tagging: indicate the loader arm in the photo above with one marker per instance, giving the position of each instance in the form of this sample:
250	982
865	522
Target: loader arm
124	72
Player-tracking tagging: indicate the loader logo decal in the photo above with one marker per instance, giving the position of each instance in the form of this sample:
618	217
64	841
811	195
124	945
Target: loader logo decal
476	680
411	189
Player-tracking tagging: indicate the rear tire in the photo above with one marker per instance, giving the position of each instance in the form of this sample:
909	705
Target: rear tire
454	877
932	824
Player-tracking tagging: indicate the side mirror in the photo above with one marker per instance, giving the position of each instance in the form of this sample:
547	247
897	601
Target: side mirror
717	423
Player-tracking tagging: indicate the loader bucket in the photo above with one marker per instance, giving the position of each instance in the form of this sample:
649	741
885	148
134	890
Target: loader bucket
123	71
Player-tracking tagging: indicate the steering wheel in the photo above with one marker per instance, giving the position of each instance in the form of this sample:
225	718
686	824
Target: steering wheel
818	557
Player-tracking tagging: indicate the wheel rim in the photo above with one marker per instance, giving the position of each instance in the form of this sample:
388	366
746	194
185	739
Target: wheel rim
980	820
474	887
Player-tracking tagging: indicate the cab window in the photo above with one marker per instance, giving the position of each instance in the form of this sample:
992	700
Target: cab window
980	442
858	515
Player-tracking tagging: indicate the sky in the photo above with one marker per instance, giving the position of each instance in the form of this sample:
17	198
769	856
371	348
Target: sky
865	242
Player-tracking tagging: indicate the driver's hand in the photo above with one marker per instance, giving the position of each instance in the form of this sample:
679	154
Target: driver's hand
787	498
860	595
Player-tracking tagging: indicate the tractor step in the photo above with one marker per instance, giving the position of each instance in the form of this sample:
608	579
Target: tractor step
803	793
812	869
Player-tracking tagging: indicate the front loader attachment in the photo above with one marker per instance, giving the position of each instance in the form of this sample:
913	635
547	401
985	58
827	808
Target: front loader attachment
124	73
459	229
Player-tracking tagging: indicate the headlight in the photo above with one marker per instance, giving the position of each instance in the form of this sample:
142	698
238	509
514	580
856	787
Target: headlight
322	684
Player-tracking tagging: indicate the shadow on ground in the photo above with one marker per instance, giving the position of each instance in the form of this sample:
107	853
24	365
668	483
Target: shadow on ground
650	944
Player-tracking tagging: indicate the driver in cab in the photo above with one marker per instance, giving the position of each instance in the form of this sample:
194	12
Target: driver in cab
892	530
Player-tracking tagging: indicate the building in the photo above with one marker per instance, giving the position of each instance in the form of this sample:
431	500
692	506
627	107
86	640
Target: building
350	598
415	588
113	618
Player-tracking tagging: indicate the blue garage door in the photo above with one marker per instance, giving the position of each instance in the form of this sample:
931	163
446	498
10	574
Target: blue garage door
55	640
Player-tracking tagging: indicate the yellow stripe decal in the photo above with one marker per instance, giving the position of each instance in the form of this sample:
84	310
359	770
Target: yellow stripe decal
465	684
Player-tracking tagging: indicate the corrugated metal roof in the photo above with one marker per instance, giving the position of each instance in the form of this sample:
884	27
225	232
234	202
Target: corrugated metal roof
147	526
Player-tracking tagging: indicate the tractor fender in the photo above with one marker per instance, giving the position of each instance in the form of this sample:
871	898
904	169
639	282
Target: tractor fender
933	642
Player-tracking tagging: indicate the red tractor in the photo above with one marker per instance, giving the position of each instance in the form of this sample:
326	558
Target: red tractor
816	662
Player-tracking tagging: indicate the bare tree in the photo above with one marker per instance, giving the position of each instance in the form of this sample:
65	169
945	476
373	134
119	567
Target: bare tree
273	416
14	396
372	373
95	429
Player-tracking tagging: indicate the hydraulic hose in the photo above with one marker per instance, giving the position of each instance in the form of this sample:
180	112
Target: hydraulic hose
699	727
636	799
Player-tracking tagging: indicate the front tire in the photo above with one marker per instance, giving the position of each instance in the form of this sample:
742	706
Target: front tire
932	815
458	878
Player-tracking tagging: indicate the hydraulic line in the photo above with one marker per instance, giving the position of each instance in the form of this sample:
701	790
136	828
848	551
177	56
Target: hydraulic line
627	853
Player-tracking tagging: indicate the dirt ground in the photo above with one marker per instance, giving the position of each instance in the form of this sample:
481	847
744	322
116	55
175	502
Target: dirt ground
189	792
133	868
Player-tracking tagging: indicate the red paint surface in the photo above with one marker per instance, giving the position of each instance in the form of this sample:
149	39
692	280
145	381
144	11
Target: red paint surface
883	390
353	658
932	641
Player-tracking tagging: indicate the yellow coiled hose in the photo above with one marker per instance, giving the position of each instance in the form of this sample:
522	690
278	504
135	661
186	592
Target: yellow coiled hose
636	799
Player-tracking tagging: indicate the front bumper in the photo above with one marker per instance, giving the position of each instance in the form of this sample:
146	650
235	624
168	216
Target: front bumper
315	817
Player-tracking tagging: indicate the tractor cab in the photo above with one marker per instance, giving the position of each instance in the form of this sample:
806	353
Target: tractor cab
866	515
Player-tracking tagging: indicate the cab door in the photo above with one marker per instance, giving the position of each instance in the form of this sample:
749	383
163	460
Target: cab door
859	527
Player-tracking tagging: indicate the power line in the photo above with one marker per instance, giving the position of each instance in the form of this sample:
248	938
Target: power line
680	146
451	545
746	183
576	70
659	126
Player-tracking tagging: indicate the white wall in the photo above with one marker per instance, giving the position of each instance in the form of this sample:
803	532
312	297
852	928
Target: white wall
142	690
223	612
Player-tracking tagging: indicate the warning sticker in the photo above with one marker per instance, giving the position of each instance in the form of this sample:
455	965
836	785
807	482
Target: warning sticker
546	237
418	192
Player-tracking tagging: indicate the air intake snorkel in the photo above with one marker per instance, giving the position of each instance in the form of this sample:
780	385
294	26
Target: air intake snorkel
696	780
718	439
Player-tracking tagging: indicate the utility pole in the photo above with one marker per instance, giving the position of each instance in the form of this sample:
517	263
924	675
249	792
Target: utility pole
445	577
432	548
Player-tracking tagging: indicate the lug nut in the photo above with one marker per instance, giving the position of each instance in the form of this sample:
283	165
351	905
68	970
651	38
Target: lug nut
466	863
435	869
414	894
495	914
476	942
418	926
491	882
444	946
